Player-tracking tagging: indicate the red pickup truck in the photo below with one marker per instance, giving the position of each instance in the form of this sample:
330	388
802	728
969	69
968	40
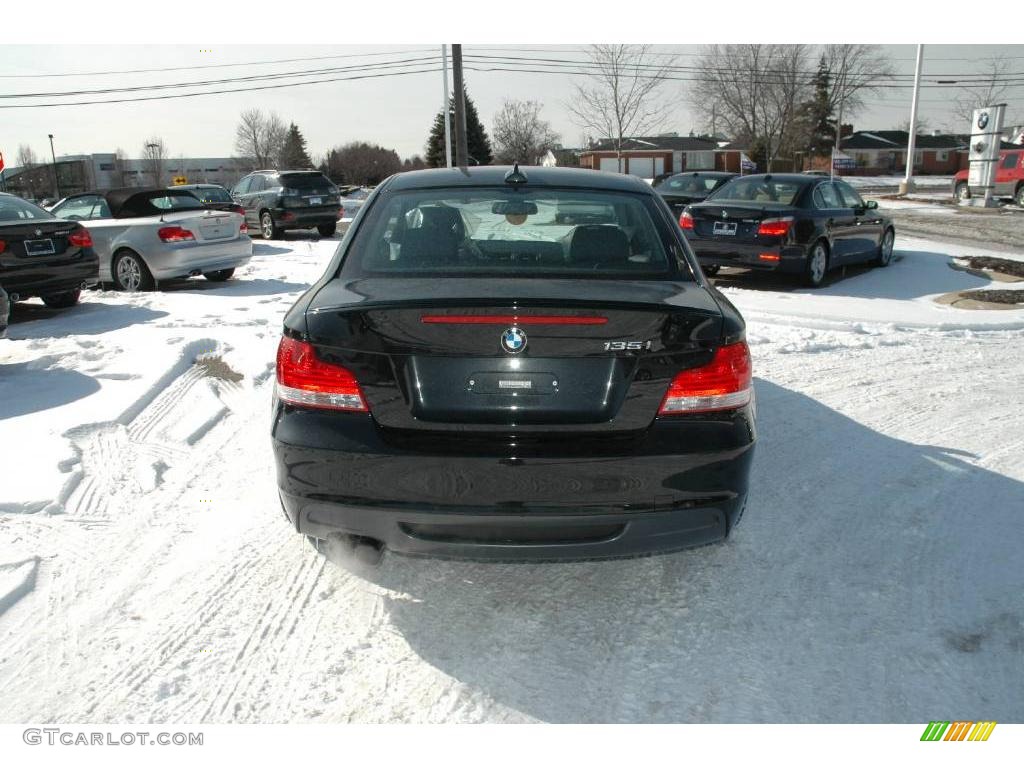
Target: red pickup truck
1009	178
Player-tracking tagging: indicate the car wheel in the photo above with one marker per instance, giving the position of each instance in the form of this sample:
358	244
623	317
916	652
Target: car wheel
962	192
712	270
885	248
327	230
817	264
1019	197
131	273
268	228
61	300
219	276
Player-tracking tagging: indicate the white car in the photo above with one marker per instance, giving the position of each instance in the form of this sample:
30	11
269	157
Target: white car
146	235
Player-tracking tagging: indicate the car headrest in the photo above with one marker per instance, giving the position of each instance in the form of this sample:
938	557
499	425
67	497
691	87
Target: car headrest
427	246
594	244
442	218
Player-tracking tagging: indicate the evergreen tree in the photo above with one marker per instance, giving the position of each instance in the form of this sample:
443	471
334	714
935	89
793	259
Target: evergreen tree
293	152
477	143
816	114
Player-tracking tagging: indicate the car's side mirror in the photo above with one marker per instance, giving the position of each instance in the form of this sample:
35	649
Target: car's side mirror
871	205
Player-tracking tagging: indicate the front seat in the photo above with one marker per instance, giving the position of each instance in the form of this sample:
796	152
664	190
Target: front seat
599	245
436	240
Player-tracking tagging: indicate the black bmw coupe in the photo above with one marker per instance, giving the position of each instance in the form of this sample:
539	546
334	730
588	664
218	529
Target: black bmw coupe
483	372
794	223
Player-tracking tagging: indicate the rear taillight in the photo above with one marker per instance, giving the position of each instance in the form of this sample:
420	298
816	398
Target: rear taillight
303	379
243	228
775	227
3	246
174	234
685	220
722	384
238	209
80	238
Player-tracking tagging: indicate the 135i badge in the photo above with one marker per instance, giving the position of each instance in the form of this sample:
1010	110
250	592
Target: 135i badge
620	346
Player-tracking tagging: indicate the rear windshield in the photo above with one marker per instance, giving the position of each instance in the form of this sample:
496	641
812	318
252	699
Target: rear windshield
212	194
153	203
758	189
16	209
695	184
306	181
512	233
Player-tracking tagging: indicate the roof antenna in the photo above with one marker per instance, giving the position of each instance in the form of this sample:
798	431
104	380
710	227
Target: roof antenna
515	176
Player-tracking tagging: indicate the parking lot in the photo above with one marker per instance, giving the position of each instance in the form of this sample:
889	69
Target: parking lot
148	574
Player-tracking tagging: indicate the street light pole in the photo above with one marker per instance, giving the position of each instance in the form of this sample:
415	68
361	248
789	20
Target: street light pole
56	178
908	181
461	150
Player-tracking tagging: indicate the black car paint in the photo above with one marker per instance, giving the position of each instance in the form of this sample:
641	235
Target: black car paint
677	201
69	268
852	235
439	478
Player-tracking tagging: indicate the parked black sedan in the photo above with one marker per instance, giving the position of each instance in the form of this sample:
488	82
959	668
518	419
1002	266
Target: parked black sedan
475	377
213	196
794	223
41	255
681	189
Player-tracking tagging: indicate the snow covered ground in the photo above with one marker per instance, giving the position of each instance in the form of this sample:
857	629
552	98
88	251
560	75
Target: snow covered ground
147	575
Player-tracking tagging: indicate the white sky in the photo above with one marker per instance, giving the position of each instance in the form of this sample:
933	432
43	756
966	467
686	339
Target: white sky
394	112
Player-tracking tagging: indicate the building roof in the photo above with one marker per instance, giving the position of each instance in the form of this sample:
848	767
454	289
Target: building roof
654	143
898	140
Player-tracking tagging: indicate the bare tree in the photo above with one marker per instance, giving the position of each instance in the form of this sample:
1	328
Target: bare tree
855	71
154	153
757	92
989	89
259	138
519	133
26	156
622	97
120	168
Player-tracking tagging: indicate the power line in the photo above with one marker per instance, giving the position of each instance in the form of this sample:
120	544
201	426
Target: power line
219	66
431	70
421	61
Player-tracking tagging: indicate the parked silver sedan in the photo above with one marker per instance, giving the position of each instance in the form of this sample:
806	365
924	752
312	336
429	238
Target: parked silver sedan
146	235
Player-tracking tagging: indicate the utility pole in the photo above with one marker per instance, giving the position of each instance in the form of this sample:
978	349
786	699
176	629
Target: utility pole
56	178
447	114
908	181
461	150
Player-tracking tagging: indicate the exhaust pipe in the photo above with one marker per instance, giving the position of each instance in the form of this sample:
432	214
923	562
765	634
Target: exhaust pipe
13	297
349	547
195	273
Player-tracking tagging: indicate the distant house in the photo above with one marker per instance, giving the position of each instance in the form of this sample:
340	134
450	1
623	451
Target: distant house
885	152
650	156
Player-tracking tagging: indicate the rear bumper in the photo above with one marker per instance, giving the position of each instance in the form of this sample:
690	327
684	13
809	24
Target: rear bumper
339	473
178	261
301	218
724	253
42	279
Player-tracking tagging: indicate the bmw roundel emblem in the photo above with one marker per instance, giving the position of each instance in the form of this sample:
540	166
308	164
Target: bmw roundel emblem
513	340
982	120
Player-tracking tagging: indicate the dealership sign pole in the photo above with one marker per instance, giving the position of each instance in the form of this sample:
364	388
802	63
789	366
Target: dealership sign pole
986	138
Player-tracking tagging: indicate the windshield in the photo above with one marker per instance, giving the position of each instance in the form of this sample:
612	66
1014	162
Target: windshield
758	189
306	181
691	184
15	209
212	194
515	233
176	201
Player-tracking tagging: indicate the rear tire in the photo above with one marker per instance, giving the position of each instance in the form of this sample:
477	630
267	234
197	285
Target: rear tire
268	228
817	265
1018	198
219	276
327	230
711	271
61	300
885	248
962	191
130	272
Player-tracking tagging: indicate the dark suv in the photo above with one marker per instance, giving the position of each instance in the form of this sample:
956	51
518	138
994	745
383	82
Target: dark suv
278	200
